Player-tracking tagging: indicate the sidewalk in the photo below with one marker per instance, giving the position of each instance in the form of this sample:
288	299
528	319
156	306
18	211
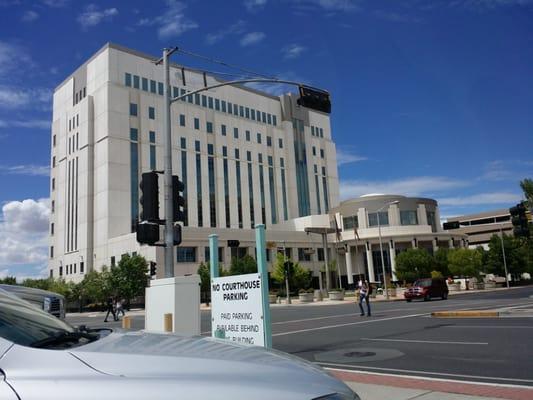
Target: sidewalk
373	386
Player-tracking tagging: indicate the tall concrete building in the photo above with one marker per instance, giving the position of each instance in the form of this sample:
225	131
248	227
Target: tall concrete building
245	156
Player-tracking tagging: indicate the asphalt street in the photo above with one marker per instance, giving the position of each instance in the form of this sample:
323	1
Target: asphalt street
402	338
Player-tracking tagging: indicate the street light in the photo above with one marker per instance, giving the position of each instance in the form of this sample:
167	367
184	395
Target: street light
381	247
504	258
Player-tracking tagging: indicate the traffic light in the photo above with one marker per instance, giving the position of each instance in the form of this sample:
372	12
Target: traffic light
149	197
147	233
450	225
315	99
153	268
177	199
519	220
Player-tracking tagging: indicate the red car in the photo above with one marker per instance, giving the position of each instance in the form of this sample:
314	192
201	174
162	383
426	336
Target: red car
427	289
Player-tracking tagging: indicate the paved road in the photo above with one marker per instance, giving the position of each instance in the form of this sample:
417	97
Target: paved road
402	338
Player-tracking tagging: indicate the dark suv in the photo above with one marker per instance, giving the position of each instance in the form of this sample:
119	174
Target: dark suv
427	289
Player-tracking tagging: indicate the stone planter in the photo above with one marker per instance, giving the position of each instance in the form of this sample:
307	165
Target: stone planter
490	285
318	295
392	292
454	287
306	297
272	298
479	286
336	295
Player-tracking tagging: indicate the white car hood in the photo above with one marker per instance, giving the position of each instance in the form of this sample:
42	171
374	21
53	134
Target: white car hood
206	361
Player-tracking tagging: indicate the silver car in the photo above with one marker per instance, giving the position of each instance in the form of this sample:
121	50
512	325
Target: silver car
44	358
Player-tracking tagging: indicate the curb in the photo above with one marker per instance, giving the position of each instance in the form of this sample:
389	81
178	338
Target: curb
466	314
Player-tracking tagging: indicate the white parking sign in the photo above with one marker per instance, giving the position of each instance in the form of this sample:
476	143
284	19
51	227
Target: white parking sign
237	308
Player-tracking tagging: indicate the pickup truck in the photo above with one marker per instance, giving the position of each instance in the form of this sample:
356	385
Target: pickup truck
50	302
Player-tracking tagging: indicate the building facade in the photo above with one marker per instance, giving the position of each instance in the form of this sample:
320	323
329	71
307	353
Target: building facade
246	157
401	222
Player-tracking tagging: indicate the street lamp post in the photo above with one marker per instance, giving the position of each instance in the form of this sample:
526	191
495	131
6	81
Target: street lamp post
504	258
381	248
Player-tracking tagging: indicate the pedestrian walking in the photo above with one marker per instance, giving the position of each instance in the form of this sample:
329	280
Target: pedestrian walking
120	308
110	309
365	290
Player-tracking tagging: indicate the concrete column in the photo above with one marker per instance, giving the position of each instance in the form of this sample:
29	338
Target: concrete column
349	270
414	243
450	243
370	262
435	245
392	255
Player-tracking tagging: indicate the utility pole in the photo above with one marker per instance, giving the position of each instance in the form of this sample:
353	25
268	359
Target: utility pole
504	258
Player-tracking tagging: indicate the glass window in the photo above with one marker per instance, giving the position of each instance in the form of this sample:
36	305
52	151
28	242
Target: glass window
321	132
185	254
230	108
320	254
383	218
269	119
224	151
269	141
223	129
204	100
321	153
303	255
197	145
182	119
209	127
248	156
280	143
160	88
247	136
282	162
210	149
210	102
183	143
152	158
312	130
127	79
235	109
236	133
263	115
151	137
260	158
247	112
408	217
136	81
217	104
197	99
432	222
237	154
253	114
175	91
223	105
133	109
196	124
151	112
134	134
274	120
314	150
241	111
144	83
152	86
350	222
270	161
207	254
259	138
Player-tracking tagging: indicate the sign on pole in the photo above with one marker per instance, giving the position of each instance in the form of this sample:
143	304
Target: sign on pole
237	309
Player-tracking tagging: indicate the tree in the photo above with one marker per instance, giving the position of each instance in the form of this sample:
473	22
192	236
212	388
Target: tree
527	187
9	280
518	254
465	262
97	285
413	264
440	261
130	277
299	277
243	265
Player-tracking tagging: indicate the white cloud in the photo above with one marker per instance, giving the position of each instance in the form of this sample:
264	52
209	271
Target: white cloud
293	51
345	157
252	38
92	16
254	5
24	229
494	198
12	57
31	170
412	186
55	3
327	5
172	22
31	124
29	16
236	28
11	97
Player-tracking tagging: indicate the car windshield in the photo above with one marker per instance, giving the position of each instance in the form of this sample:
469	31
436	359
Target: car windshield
24	324
423	283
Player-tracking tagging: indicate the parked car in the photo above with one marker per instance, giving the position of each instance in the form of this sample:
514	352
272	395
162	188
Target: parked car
52	303
44	358
427	289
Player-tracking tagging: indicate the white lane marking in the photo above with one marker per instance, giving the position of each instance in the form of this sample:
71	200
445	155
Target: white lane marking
488	326
427	378
424	341
347	324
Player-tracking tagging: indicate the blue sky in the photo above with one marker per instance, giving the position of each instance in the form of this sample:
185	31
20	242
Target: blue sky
430	98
